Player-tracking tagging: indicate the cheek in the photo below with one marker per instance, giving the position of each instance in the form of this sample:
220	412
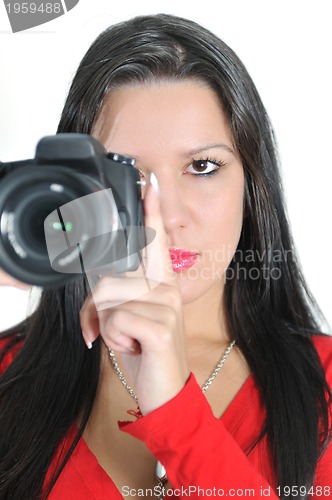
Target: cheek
222	224
225	216
219	224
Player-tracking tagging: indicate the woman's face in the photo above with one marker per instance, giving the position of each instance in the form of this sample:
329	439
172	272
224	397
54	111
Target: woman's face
178	131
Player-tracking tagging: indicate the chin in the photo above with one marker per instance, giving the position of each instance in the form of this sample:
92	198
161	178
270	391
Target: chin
193	290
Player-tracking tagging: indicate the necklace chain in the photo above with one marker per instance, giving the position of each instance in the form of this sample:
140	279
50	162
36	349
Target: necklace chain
204	387
121	376
161	474
219	366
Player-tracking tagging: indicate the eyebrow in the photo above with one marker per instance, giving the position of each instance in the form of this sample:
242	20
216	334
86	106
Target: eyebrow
207	147
194	151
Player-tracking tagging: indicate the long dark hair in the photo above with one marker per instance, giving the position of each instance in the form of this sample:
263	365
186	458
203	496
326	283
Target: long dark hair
271	314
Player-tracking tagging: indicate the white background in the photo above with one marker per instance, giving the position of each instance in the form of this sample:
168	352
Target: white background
286	46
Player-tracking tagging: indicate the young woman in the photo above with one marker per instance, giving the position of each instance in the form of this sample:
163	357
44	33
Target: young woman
224	293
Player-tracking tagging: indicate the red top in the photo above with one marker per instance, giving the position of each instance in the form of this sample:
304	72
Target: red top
203	455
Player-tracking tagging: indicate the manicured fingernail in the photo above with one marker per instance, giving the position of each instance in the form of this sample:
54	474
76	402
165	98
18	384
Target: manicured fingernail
154	182
88	343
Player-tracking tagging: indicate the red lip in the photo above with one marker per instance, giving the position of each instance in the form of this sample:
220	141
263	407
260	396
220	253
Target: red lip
182	259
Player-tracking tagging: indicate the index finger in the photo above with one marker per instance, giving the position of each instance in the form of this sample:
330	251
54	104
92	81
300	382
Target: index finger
158	261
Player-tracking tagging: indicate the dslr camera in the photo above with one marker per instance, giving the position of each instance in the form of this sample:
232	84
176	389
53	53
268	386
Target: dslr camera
72	209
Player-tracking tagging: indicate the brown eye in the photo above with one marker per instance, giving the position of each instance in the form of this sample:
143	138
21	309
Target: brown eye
200	165
204	167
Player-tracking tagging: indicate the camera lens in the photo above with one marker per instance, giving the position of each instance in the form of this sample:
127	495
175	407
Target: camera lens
37	215
83	235
30	216
27	196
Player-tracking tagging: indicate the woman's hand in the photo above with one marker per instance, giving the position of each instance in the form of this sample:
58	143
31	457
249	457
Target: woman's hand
6	280
140	318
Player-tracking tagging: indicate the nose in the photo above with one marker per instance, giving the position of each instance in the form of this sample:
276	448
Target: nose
174	208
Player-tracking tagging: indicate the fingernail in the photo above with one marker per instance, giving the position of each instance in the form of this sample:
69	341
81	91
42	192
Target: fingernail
87	342
154	182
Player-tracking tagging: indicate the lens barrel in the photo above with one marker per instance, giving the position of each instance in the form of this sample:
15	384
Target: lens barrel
27	198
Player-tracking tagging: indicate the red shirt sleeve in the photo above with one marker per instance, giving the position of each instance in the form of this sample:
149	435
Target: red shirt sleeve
200	456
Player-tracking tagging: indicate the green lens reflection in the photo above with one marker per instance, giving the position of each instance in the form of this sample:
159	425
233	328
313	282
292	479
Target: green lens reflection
57	226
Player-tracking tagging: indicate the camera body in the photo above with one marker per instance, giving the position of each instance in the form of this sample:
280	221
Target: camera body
73	208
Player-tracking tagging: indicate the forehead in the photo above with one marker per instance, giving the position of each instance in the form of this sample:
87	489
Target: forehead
163	113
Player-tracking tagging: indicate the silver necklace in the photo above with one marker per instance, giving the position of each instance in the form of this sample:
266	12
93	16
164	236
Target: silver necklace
160	471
